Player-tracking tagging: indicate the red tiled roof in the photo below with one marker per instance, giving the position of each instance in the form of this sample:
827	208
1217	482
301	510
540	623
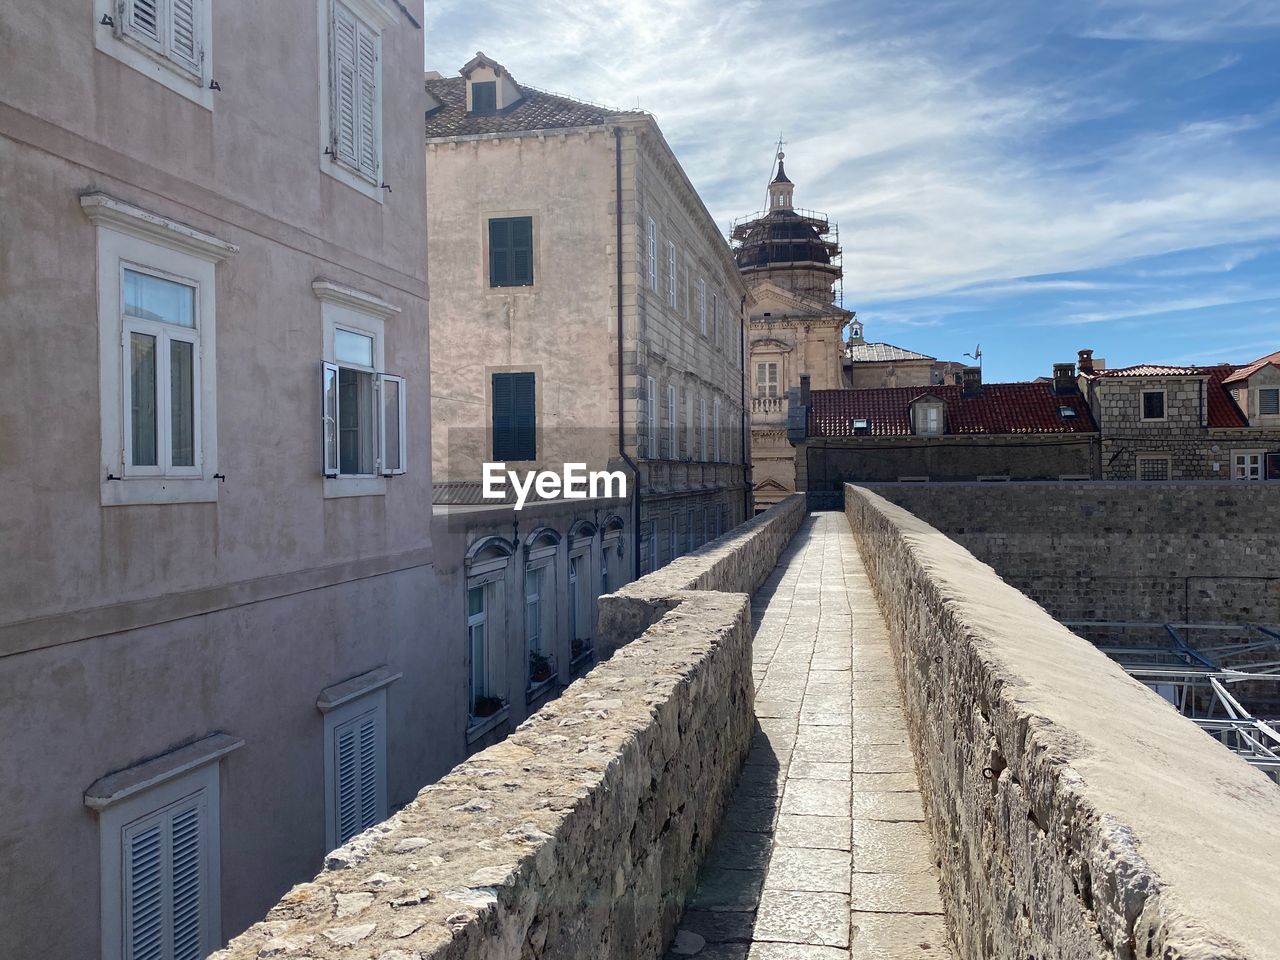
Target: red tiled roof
535	110
1002	408
1247	371
1150	370
1223	411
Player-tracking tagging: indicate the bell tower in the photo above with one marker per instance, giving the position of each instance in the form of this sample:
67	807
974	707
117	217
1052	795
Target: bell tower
781	188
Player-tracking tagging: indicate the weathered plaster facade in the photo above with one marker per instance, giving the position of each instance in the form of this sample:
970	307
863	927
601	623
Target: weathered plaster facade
132	628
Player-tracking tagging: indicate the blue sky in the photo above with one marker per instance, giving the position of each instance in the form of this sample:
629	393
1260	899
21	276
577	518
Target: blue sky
1035	177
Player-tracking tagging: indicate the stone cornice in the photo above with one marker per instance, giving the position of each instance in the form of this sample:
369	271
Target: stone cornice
331	292
104	210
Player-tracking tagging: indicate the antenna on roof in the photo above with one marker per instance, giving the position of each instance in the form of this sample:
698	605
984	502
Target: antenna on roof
976	355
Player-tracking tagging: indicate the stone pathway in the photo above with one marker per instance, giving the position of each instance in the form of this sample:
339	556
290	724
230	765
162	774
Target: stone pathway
823	854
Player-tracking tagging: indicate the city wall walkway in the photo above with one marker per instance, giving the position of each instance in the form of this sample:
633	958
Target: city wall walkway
823	853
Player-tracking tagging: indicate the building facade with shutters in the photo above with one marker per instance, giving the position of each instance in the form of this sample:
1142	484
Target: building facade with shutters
1161	422
218	650
585	310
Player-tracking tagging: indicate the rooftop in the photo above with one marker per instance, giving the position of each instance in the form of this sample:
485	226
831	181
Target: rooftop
1223	410
1248	370
1001	408
535	110
881	353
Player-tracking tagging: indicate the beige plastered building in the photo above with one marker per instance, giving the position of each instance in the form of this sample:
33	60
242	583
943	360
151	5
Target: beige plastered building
585	309
219	653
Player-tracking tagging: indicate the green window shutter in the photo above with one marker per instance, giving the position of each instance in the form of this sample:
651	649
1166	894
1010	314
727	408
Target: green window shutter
514	417
499	253
511	252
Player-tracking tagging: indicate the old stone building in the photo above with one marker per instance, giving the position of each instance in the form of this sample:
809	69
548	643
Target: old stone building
218	654
585	310
870	364
791	261
1186	423
973	431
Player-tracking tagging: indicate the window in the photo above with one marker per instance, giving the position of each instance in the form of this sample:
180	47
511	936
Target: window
515	428
156	341
715	318
580	643
486	566
766	379
168	40
533	610
1153	405
689	527
478	603
484	96
928	419
355	95
653	254
356	767
671	274
673	540
651	417
715	429
649	546
363	410
1269	402
159	854
1247	464
1153	468
702	306
672	437
703	527
511	252
702	428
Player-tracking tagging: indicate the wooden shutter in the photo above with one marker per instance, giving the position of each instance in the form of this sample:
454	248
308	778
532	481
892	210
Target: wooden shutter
184	34
500	253
165	895
141	19
357	776
522	251
345	101
367	79
514	417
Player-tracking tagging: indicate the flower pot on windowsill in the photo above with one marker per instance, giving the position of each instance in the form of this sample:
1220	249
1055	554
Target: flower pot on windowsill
541	669
487	707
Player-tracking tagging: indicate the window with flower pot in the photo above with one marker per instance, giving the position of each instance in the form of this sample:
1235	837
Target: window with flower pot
486	566
539	609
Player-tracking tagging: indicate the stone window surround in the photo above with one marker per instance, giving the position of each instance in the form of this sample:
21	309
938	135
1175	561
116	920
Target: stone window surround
130	234
108	39
1142	404
1140	457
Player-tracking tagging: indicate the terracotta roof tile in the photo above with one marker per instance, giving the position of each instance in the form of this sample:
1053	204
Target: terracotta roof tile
1223	410
1248	370
535	110
1002	408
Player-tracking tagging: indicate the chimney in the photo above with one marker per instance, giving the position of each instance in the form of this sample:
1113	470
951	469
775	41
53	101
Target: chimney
971	382
804	389
1064	378
1086	361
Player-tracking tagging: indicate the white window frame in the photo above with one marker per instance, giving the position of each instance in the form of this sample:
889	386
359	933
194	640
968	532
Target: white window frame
702	306
689	533
125	799
1142	405
672	286
579	601
651	418
491	577
653	254
715	318
1142	457
344	308
367	703
116	39
673	536
702	429
1243	474
929	419
673	452
375	16
132	238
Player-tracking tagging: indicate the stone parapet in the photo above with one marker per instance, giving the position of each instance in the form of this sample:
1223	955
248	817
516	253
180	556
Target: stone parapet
1075	814
738	562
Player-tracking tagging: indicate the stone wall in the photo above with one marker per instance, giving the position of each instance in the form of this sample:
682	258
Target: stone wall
1160	552
738	562
1075	814
579	837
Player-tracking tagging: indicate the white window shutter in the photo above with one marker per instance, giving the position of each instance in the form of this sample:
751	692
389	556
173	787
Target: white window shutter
142	20
392	435
368	75
329	417
345	93
359	780
165	897
184	33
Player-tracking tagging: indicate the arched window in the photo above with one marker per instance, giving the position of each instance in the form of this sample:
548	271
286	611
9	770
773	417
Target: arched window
487	562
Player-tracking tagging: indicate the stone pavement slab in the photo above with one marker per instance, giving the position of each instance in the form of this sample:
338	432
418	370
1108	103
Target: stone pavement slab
823	853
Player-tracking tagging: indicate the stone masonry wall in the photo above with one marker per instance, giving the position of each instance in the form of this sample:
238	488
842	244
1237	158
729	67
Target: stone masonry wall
1075	814
738	562
1159	552
579	837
